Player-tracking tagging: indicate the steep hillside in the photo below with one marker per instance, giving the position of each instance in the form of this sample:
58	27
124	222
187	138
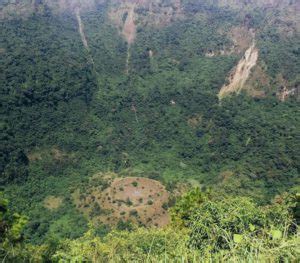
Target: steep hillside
241	73
132	89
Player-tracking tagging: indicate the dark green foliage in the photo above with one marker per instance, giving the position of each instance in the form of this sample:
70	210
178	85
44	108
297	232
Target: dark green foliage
128	202
53	97
124	225
96	210
280	53
133	213
108	50
165	206
149	202
135	183
38	82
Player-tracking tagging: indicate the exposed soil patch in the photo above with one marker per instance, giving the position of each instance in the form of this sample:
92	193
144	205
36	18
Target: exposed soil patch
124	18
284	93
225	175
194	121
81	28
284	90
129	28
140	200
52	202
53	153
241	37
58	154
34	156
241	73
82	34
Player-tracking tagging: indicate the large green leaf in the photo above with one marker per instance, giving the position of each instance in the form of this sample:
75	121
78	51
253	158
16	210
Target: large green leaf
276	234
237	238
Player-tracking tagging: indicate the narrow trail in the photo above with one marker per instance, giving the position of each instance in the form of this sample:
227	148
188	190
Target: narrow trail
82	34
127	60
241	73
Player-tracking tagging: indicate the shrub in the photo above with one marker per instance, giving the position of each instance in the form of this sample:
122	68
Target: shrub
129	202
135	184
150	202
133	213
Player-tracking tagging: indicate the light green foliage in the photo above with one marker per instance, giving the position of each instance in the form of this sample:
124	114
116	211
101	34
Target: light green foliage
238	227
186	205
231	230
141	245
11	227
11	224
237	238
216	224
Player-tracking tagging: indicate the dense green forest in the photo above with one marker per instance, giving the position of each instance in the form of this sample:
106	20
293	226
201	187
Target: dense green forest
149	109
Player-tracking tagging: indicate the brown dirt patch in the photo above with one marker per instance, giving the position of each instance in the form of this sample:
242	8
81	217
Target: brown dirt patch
52	202
58	154
241	37
225	175
194	121
143	13
34	156
129	29
241	73
136	199
284	89
54	153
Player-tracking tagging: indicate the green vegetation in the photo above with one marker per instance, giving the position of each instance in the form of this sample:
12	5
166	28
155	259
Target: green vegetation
135	184
233	229
65	118
149	202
